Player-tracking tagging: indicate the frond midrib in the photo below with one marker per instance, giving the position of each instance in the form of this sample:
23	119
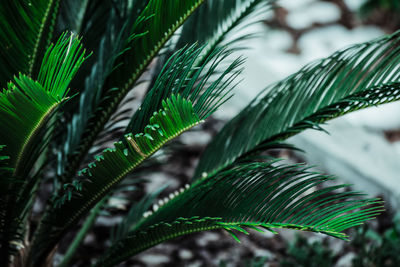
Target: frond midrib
124	173
153	242
30	138
40	36
221	32
157	47
292	130
215	223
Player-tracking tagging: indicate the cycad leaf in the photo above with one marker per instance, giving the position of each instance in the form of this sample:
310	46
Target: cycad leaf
106	43
202	85
27	110
25	31
112	166
361	76
250	195
26	106
198	100
105	27
213	21
159	20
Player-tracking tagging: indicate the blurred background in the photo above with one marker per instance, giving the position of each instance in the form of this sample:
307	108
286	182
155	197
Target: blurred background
362	148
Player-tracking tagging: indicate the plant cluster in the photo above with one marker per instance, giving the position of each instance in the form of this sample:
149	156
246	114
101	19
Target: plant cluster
58	100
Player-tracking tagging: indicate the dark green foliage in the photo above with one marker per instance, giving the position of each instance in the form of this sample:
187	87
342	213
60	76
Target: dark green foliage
361	76
371	5
27	105
183	76
22	44
27	111
44	114
254	262
212	23
107	41
158	21
370	247
176	116
232	200
302	253
374	249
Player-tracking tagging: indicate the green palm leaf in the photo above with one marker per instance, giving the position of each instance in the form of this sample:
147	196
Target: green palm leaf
27	114
212	23
114	164
196	100
159	20
27	105
249	195
105	27
361	76
25	32
181	75
106	47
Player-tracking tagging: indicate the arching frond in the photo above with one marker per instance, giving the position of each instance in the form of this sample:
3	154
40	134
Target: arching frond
25	32
252	196
26	106
212	22
90	91
361	76
195	101
27	114
199	84
178	115
105	27
159	20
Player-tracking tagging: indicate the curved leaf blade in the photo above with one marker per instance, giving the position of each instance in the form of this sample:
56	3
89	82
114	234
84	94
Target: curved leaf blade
250	195
25	32
361	76
110	168
155	26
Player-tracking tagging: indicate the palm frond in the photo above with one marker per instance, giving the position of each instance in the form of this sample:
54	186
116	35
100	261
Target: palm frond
106	29
25	108
25	31
97	21
250	195
27	115
361	76
215	20
177	116
159	20
90	92
196	100
195	83
27	105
